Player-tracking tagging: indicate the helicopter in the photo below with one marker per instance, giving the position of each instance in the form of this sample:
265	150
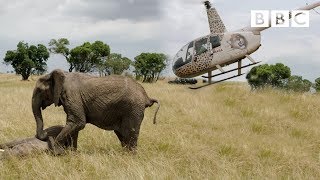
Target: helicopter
219	49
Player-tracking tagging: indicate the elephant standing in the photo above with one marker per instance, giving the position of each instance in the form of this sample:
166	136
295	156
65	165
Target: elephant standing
111	103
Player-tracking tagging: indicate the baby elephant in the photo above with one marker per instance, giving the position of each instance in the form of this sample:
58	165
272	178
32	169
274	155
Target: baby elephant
111	103
29	146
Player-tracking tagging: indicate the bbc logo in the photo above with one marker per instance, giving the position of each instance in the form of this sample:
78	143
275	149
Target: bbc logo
297	18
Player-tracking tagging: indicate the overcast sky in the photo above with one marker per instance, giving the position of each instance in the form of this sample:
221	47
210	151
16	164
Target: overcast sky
134	26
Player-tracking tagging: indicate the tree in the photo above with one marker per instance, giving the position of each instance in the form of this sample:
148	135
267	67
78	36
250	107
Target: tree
317	84
82	58
116	64
39	54
27	60
298	84
149	65
280	73
268	75
88	56
60	47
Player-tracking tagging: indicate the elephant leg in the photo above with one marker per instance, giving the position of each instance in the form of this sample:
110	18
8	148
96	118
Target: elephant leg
74	141
69	130
132	141
130	129
120	137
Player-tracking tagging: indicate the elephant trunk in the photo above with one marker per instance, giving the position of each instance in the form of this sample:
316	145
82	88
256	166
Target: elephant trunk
36	108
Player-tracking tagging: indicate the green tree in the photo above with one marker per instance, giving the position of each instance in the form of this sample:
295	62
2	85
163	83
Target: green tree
149	65
317	84
28	59
89	56
298	84
81	58
280	73
116	64
268	75
60	47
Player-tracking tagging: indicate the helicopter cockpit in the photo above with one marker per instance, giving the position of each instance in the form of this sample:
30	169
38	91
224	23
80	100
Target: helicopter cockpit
195	48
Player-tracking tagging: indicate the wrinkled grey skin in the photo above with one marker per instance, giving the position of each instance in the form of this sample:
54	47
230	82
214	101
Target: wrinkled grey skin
23	147
111	103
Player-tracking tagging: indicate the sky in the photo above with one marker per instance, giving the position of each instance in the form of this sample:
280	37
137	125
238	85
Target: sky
131	27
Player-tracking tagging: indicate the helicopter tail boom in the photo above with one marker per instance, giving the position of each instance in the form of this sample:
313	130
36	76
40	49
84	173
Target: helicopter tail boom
215	22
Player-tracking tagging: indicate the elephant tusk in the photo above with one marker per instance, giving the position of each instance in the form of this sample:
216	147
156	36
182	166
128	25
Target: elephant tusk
1	150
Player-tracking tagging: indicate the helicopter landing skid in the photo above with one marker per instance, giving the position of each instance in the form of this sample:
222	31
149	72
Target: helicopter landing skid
215	82
224	72
231	70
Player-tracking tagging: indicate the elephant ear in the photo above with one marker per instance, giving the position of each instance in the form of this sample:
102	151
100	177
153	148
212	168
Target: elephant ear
57	83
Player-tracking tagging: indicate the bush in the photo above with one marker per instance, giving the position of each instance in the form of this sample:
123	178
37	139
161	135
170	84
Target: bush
317	84
298	84
268	75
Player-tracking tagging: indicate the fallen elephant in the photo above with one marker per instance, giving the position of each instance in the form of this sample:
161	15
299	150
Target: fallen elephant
28	146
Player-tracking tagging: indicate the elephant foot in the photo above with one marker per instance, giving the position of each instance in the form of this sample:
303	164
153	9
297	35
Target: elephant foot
55	148
129	148
131	151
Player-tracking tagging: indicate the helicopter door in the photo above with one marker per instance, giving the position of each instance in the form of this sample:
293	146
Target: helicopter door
201	46
189	55
214	41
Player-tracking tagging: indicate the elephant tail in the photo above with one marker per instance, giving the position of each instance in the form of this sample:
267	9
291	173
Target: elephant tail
151	102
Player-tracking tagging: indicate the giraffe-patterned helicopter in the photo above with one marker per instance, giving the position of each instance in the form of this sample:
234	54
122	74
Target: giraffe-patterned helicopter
219	49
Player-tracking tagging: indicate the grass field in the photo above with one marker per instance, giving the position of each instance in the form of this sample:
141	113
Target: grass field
223	131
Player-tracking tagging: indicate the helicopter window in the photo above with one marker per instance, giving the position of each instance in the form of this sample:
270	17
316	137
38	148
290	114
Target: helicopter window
189	52
201	46
215	41
179	62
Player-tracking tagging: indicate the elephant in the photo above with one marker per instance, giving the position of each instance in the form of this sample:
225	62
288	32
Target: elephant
113	102
27	146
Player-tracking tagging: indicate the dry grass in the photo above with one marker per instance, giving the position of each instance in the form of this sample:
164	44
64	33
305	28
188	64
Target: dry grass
223	131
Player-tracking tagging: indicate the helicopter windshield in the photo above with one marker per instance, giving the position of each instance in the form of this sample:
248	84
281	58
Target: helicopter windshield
184	56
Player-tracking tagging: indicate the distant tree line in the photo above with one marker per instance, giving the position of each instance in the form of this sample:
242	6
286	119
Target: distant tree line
279	76
88	57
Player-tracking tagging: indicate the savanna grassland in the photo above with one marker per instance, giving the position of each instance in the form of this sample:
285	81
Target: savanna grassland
222	131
